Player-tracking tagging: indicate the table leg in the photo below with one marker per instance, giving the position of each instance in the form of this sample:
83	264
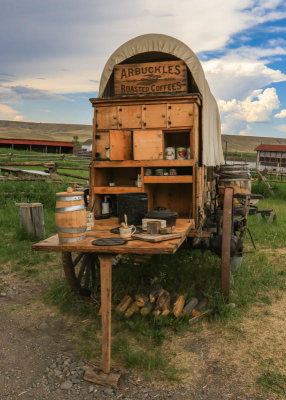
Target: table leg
105	279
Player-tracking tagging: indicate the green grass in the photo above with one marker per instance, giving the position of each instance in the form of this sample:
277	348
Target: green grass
273	381
189	272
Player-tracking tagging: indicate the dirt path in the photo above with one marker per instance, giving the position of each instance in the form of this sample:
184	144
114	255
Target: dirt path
220	363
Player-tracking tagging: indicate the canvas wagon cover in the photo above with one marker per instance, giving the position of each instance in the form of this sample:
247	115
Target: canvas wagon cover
212	148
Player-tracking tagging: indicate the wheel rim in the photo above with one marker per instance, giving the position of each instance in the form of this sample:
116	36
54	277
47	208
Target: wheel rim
81	272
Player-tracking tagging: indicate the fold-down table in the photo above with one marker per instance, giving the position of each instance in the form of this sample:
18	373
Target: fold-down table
105	254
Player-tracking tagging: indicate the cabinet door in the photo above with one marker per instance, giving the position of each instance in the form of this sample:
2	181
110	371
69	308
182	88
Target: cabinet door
120	145
106	118
101	142
130	117
154	115
148	144
180	115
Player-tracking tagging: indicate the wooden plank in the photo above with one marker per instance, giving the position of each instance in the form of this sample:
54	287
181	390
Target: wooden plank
180	114
148	144
130	117
168	179
120	145
102	230
101	141
154	115
94	375
106	117
116	189
156	237
150	78
191	98
143	163
105	281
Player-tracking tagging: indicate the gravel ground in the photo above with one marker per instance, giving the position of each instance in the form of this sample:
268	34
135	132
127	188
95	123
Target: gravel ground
38	360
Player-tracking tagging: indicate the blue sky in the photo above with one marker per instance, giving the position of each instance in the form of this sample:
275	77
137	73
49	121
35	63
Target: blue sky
53	53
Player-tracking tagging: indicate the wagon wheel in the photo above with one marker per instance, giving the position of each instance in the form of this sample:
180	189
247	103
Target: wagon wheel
227	224
82	272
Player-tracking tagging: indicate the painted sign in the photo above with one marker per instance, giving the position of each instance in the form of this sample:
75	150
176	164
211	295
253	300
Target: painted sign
166	77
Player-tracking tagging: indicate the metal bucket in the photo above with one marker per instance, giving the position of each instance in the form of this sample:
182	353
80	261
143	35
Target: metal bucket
70	216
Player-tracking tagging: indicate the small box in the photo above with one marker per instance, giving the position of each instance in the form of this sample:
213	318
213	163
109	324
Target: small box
145	220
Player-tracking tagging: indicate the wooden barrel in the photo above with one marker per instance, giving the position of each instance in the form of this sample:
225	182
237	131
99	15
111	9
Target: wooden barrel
236	177
70	216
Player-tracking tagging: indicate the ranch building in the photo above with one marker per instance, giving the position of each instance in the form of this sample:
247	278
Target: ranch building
42	146
271	156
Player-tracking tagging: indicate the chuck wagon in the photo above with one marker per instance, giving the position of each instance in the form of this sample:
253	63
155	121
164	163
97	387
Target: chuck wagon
156	133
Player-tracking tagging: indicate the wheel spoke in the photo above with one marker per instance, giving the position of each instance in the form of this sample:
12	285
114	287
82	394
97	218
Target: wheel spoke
77	259
82	268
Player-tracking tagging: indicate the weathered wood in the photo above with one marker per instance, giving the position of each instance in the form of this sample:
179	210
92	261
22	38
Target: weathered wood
124	304
164	297
31	216
105	280
150	78
141	299
120	145
95	375
146	309
148	145
166	308
169	179
190	306
131	310
155	293
145	163
178	306
102	230
156	237
199	317
72	175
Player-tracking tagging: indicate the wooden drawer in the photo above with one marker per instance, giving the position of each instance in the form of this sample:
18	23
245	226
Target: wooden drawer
154	115
148	144
106	118
180	115
130	117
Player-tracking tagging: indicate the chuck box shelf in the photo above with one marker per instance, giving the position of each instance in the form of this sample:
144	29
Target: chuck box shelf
145	163
116	189
168	179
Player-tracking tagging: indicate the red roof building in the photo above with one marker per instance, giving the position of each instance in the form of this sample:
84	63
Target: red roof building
271	155
43	146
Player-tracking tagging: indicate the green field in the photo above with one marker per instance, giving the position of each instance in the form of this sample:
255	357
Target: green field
139	342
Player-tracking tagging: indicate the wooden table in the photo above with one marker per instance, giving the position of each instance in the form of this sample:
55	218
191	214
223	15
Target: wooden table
105	253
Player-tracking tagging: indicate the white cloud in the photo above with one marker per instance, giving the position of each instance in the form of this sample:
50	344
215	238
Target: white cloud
72	49
281	114
281	128
9	113
236	77
258	107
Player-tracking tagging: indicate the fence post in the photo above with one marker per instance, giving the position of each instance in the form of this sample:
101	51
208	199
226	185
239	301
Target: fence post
31	216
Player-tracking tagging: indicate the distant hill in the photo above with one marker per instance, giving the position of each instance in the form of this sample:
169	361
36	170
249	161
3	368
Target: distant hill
44	131
66	132
247	144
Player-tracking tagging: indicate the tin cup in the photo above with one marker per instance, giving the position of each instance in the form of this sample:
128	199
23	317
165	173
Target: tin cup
170	153
181	153
188	153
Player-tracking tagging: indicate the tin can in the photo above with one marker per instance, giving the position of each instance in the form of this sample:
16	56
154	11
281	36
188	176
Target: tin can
148	172
181	153
170	153
188	153
159	171
173	171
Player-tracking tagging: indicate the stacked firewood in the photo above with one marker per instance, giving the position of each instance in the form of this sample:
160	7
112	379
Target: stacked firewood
159	302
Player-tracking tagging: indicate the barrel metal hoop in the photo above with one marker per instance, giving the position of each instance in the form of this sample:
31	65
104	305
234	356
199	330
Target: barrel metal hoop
73	239
71	230
69	198
72	208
